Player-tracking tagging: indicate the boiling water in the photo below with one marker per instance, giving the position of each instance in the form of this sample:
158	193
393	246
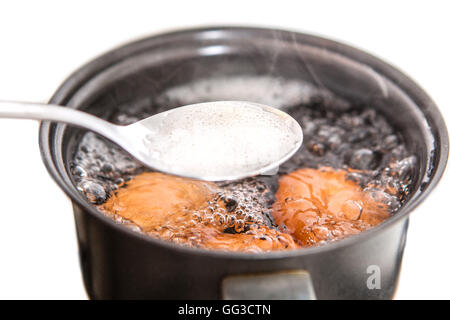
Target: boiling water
353	149
311	207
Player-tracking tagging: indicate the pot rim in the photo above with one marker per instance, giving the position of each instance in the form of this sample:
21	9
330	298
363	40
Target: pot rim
102	62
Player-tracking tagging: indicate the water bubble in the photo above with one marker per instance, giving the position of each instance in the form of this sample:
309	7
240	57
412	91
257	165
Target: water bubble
79	171
380	196
390	142
239	226
231	220
316	148
358	135
219	218
320	232
334	141
362	159
352	209
404	168
94	192
107	168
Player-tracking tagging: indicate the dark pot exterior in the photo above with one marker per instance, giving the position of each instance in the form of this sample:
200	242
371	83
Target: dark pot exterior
121	266
118	263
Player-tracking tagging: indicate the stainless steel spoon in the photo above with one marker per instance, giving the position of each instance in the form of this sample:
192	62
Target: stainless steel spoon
215	141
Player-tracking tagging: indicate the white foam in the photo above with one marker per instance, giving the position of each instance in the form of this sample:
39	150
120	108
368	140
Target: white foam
221	140
272	91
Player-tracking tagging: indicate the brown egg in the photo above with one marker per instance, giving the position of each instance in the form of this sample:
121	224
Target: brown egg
323	205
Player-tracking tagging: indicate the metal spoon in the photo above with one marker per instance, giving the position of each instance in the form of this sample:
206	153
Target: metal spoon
215	141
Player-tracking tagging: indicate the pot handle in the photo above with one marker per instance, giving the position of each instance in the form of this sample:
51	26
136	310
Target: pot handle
290	285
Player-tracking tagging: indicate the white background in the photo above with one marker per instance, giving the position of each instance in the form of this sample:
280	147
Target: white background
42	42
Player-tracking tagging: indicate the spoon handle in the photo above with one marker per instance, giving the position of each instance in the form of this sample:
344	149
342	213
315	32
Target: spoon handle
41	111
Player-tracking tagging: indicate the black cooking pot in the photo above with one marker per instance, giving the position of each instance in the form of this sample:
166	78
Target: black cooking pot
166	70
